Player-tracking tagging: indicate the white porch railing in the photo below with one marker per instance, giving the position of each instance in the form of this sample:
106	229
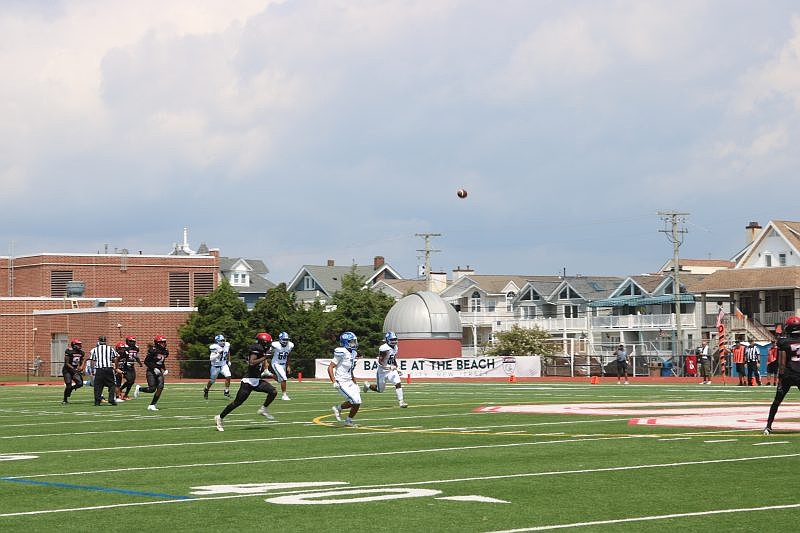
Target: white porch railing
598	323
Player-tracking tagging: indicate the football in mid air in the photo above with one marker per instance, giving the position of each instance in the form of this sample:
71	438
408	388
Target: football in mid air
462	193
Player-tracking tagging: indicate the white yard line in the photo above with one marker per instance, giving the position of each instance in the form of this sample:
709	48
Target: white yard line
652	517
437	482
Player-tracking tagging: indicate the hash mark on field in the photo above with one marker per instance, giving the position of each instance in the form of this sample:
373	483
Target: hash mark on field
678	438
770	443
720	440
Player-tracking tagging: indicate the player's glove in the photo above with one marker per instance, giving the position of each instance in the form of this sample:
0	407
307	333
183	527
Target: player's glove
336	385
166	371
157	371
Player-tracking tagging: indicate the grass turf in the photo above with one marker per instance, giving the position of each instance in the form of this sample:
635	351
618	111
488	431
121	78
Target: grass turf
122	468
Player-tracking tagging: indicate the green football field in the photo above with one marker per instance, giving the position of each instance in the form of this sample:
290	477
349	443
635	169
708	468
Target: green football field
462	457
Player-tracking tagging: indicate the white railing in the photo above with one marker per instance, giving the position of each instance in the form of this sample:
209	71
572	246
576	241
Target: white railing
643	322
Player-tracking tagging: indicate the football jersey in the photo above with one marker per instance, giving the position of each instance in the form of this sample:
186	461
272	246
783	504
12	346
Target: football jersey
280	353
73	358
219	353
156	357
133	356
345	363
254	371
388	355
791	345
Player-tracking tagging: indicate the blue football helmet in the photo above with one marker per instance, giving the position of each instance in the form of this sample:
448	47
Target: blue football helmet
219	339
283	338
391	338
349	340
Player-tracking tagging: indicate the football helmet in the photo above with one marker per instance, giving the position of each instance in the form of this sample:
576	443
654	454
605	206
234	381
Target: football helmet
130	340
160	340
121	347
75	343
792	324
264	338
391	338
219	338
283	337
349	340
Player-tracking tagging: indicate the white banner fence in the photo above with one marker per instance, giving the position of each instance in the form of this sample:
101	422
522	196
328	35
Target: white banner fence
460	367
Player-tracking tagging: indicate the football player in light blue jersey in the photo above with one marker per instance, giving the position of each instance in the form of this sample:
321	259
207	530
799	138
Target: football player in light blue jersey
280	361
219	354
340	371
387	369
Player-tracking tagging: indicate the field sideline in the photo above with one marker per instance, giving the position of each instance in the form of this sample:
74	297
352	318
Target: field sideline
526	456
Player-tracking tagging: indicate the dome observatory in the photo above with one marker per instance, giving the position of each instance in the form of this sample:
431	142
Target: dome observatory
426	326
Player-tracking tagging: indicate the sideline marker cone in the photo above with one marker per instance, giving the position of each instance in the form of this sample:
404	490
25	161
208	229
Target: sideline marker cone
408	379
299	376
595	380
512	378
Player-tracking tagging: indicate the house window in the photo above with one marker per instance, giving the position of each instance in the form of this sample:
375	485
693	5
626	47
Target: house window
767	260
308	283
567	294
570	311
475	302
509	299
240	279
782	260
528	312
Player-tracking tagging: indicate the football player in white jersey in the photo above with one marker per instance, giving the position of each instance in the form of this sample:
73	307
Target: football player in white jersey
219	354
280	361
387	369
340	371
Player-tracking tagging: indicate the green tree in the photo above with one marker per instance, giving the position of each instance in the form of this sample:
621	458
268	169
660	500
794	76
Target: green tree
521	341
276	312
220	311
359	310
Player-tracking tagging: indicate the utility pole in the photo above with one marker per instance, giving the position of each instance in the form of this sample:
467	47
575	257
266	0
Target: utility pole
675	236
428	251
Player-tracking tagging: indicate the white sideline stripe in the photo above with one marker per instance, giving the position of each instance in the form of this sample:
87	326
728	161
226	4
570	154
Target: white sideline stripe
653	517
429	482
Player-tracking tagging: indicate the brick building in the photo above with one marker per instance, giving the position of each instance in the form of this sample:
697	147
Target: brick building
51	298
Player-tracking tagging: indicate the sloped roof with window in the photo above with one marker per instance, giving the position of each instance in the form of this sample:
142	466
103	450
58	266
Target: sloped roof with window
751	279
329	278
787	229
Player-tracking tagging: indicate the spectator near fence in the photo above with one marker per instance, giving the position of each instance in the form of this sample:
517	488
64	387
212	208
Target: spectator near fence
704	359
622	364
738	360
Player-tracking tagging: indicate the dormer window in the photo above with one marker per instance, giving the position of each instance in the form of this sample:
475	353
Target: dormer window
308	283
240	279
475	302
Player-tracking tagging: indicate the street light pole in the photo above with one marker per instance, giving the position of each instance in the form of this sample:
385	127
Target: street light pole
675	236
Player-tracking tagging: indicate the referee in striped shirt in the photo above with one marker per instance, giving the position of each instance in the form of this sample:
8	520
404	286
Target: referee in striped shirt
753	357
104	359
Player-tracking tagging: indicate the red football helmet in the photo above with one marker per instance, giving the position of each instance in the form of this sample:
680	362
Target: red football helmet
130	340
121	346
160	340
792	324
75	342
264	338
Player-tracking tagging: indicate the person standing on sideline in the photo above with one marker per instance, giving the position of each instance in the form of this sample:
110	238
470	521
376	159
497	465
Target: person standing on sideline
129	369
772	364
104	362
73	368
155	361
738	360
252	381
753	356
280	361
622	363
387	369
340	372
219	354
788	366
705	363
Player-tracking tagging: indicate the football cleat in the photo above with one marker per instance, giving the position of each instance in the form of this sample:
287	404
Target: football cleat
205	394
365	387
767	431
349	423
152	407
337	412
263	411
403	405
227	394
285	397
218	422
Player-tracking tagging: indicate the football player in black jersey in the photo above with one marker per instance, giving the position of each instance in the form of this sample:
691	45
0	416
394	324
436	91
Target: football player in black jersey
129	369
73	368
155	361
121	362
788	366
252	380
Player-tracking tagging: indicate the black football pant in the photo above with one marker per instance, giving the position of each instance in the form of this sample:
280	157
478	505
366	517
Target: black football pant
104	377
244	392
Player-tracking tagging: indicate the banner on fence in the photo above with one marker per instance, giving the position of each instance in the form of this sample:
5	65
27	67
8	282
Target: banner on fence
462	367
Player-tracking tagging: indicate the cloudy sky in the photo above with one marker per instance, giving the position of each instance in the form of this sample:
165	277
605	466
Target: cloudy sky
304	130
